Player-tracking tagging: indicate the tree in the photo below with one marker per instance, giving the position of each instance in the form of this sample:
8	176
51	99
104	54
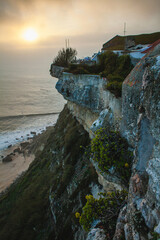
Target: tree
65	57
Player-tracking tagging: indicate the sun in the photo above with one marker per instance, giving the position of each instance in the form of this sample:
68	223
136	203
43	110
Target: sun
30	35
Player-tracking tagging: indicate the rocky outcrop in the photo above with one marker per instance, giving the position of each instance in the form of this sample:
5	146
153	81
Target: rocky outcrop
89	91
110	181
141	126
94	107
138	119
84	116
7	159
96	234
56	71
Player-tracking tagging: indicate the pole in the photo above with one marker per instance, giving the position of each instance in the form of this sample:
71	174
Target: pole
124	29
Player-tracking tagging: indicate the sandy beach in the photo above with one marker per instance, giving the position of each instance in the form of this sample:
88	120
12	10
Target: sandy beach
9	171
21	156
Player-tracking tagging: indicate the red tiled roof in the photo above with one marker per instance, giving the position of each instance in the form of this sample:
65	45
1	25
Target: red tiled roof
151	46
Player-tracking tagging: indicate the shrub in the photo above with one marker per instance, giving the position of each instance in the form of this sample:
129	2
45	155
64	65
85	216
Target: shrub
72	67
113	78
124	66
110	151
108	61
65	57
83	69
155	236
80	70
105	209
115	87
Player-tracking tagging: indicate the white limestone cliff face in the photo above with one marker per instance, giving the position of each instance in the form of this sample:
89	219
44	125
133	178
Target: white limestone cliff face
84	115
141	126
56	71
94	107
89	91
137	116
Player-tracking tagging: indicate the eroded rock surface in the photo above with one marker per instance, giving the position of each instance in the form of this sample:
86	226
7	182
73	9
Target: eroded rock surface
141	126
89	91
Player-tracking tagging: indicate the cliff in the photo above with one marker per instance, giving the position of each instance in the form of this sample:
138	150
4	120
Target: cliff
141	125
41	205
137	117
87	93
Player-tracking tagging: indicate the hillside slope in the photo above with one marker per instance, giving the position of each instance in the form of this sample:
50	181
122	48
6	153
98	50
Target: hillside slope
39	205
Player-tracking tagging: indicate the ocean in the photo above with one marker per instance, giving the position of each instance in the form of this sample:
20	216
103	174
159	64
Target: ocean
29	102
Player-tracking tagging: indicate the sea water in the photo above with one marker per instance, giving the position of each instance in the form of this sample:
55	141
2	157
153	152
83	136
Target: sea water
29	103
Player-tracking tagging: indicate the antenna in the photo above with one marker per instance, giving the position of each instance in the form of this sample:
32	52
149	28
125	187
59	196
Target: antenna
124	29
66	43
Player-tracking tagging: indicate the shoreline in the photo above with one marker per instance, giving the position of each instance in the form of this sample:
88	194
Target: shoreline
19	161
16	130
17	158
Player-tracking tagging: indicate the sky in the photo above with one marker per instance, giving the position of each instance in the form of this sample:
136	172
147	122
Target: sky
86	23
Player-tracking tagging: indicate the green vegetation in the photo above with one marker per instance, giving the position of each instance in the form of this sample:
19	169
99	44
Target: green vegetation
111	66
115	87
25	209
115	68
110	151
83	69
65	57
105	209
155	236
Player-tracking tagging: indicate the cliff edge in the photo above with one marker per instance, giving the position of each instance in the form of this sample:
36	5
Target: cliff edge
83	176
137	116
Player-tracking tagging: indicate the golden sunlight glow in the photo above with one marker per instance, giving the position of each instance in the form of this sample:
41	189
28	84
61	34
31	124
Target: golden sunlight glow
30	35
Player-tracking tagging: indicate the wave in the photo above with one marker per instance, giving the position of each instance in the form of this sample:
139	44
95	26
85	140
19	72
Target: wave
28	115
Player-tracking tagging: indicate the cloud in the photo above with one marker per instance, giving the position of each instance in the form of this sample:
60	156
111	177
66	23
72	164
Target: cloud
89	20
8	10
14	10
